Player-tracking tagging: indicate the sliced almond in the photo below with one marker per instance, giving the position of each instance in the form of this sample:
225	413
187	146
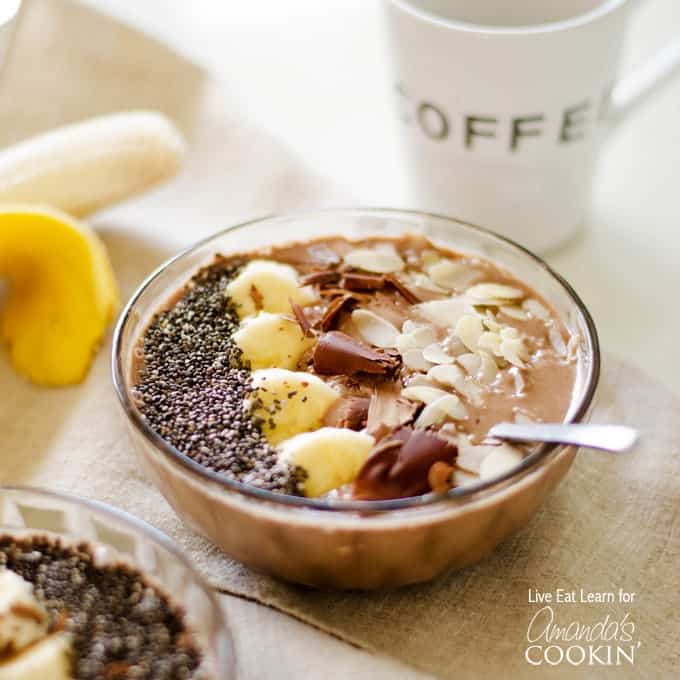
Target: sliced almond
557	341
491	342
517	376
424	335
382	261
454	346
488	371
418	380
448	406
452	407
490	293
501	459
509	332
405	342
490	323
514	312
536	309
386	247
374	329
469	329
423	281
471	362
415	336
429	416
436	354
514	351
450	274
470	457
447	375
413	359
444	313
423	393
453	376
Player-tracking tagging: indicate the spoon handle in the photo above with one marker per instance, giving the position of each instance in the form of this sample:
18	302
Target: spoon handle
613	438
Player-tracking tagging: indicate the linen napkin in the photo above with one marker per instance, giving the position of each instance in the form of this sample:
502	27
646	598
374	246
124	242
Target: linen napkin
613	524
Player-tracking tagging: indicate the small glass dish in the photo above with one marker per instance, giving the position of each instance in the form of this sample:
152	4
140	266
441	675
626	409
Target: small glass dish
115	536
338	543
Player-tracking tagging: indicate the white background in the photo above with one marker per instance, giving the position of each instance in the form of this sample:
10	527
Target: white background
314	73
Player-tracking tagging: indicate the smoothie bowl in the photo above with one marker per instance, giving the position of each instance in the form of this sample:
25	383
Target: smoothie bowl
88	592
313	391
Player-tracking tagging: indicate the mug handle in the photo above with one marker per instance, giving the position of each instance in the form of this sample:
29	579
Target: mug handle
634	88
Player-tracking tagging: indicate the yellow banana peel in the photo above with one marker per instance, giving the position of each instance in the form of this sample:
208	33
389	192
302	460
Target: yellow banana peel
62	293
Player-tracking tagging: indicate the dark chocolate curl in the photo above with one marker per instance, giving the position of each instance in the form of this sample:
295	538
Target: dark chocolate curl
402	289
400	464
320	278
332	314
388	411
362	282
301	318
337	353
349	412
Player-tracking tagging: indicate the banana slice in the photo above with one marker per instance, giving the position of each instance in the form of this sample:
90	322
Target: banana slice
271	341
49	659
62	294
289	402
91	165
268	286
23	620
331	456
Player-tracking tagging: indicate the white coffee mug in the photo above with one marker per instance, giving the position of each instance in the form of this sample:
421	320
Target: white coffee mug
502	104
9	10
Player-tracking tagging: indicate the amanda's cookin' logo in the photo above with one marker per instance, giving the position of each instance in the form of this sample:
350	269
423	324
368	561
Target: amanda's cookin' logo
606	641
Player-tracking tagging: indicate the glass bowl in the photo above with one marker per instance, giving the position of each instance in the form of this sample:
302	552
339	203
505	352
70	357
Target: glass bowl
341	543
116	536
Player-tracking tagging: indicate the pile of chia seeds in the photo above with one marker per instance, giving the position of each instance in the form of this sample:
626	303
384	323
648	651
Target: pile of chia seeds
191	385
121	626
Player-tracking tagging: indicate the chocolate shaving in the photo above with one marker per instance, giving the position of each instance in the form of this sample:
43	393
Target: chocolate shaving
362	282
335	309
332	292
405	292
257	298
400	465
349	412
387	410
339	354
302	319
320	278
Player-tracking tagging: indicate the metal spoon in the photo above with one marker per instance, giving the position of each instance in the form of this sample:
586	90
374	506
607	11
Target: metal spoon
612	438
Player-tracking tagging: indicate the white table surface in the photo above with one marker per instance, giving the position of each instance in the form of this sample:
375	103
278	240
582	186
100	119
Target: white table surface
314	74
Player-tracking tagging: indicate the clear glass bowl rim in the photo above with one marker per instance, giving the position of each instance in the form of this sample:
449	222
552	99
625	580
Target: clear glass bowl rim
533	460
135	523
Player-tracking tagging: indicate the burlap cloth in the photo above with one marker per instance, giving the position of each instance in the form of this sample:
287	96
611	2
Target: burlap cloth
613	524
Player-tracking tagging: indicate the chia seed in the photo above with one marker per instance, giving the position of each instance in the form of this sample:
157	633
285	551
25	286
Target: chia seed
121	625
191	385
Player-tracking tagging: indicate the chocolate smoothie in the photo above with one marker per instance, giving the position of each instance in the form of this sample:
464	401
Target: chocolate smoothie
367	369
